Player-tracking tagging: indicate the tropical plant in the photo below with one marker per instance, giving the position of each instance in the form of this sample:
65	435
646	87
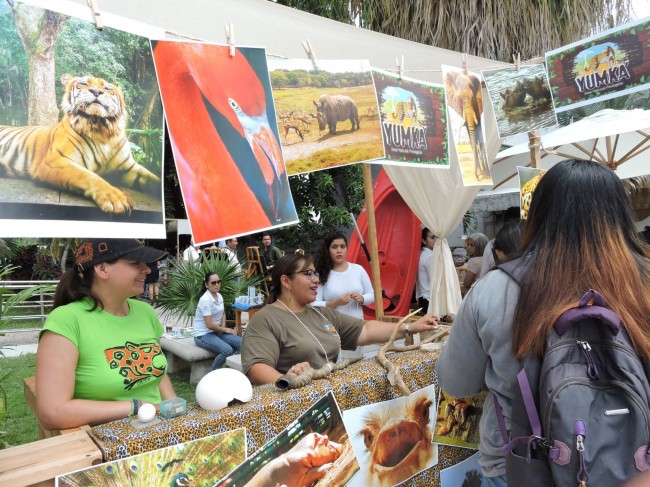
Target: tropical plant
8	248
494	30
10	300
182	288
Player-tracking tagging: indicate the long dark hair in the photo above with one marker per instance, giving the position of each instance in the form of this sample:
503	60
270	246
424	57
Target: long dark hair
286	265
323	261
425	235
75	285
508	238
580	235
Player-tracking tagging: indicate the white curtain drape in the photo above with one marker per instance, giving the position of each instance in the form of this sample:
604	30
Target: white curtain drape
439	199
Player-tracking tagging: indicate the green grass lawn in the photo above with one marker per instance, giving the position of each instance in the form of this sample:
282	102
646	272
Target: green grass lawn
17	423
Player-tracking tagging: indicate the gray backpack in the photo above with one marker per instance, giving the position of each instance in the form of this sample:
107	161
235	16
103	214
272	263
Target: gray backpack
581	414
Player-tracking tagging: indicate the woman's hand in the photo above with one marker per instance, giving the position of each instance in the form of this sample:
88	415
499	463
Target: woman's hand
308	461
342	300
299	368
357	297
428	322
229	331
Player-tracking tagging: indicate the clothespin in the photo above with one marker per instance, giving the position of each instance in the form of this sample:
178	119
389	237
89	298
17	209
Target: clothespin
517	60
98	15
400	67
230	38
464	58
310	52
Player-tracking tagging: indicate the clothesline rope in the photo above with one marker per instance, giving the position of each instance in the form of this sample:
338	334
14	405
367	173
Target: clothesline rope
390	70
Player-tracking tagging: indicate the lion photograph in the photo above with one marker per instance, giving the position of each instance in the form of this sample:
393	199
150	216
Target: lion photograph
80	130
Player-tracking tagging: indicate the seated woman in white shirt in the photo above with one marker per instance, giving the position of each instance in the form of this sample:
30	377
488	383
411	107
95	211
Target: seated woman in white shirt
475	244
344	286
210	330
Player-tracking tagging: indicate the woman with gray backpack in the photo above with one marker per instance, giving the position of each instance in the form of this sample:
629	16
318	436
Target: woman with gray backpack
560	337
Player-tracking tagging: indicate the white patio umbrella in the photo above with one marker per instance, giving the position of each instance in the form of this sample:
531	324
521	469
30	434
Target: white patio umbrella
617	138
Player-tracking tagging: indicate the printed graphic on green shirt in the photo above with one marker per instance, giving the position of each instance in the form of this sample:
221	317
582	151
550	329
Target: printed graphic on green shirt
135	362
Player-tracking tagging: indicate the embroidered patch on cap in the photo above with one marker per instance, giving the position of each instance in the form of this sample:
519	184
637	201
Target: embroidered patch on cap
84	254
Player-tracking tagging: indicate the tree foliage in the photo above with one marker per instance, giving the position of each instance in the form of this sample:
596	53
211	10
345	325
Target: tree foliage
323	79
119	57
494	30
323	200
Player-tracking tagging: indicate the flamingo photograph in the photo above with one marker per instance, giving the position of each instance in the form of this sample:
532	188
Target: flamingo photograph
224	137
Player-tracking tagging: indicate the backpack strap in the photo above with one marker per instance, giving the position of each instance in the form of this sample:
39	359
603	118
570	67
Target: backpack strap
584	310
535	440
514	268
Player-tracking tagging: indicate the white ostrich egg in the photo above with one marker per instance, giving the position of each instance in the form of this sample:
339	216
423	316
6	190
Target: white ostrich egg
219	387
146	412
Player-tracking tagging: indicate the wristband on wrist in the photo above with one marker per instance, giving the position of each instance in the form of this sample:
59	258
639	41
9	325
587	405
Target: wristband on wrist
135	406
407	330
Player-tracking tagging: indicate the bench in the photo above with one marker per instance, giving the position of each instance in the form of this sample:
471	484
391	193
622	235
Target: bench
182	353
38	463
29	390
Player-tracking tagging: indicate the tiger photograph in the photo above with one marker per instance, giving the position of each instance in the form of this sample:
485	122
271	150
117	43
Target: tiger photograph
81	132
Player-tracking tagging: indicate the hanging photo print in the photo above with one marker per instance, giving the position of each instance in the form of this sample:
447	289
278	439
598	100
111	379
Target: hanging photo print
467	124
224	137
521	99
529	178
80	129
328	117
413	121
608	65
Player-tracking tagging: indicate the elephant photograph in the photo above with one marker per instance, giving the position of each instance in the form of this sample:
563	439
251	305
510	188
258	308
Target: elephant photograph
465	109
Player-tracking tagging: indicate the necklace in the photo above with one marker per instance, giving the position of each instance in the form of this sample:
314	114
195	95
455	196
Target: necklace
310	332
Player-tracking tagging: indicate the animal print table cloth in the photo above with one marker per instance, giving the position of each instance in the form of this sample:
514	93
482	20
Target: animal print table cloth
271	410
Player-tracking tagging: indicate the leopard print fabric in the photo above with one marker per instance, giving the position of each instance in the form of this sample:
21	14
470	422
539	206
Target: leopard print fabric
527	191
271	410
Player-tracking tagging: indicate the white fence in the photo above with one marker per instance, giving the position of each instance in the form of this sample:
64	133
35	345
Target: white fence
35	308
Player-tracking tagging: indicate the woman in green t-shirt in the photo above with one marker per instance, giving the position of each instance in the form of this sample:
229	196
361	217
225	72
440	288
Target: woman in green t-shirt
98	356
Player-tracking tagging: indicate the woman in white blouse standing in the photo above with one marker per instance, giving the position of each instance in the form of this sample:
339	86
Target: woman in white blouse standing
344	286
423	282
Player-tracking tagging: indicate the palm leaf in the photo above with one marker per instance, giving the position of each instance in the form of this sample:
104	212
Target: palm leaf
10	300
180	295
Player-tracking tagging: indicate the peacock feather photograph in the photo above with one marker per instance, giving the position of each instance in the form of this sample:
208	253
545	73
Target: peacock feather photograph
201	462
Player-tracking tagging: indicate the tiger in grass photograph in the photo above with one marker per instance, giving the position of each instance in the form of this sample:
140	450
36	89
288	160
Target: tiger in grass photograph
84	150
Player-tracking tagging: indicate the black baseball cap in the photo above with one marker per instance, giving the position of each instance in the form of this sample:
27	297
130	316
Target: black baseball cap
97	250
